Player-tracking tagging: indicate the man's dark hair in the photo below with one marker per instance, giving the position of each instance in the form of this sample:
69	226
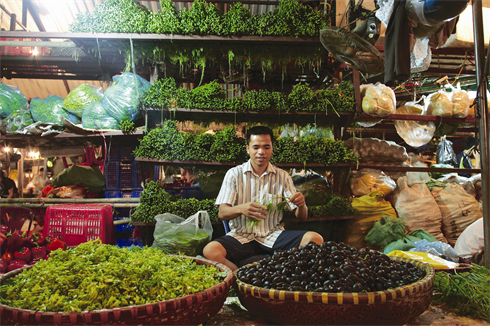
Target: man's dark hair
259	130
469	142
41	169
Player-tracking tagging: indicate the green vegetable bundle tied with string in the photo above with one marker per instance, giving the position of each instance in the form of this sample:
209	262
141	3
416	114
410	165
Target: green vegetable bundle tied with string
96	276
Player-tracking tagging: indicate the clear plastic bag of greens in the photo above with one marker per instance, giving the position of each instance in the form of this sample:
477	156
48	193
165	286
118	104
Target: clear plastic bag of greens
17	122
176	235
95	116
80	97
11	100
49	110
122	99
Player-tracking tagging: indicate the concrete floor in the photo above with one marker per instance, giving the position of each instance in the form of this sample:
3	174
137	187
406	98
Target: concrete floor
233	313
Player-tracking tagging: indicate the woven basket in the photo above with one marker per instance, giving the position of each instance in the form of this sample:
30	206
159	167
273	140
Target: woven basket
395	306
192	309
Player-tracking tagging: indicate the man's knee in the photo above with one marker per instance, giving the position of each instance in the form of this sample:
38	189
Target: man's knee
311	237
214	251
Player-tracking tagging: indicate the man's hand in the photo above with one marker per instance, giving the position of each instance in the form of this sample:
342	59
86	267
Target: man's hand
301	211
297	199
254	210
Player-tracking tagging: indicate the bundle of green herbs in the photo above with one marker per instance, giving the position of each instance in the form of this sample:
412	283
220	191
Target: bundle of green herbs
466	293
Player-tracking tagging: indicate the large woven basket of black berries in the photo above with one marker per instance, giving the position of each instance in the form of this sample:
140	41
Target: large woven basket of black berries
335	284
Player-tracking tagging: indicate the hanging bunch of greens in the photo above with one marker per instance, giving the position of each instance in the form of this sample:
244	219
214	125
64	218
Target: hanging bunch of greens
311	149
237	21
211	96
166	20
113	16
155	200
228	147
290	18
158	142
162	93
202	18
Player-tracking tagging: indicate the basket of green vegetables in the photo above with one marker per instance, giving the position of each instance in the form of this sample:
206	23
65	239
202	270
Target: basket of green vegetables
95	283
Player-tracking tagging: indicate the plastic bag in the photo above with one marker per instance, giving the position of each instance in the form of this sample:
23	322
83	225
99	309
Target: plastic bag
434	261
464	182
461	103
90	177
374	149
49	110
385	231
11	100
122	99
445	153
436	248
370	208
414	133
417	208
458	209
176	235
95	116
439	104
314	187
18	121
378	100
80	97
366	181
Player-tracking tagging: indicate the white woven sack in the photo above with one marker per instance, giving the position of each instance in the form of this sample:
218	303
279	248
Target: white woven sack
458	208
417	208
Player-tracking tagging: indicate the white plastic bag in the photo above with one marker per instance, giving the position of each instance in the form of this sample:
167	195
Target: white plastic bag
378	100
439	104
414	133
176	235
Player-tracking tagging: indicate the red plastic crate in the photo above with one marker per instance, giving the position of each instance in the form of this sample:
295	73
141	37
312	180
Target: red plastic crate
79	223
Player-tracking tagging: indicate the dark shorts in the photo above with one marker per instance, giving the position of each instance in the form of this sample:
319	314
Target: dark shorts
235	251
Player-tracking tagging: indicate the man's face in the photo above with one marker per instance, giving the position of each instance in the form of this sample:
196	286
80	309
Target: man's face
260	150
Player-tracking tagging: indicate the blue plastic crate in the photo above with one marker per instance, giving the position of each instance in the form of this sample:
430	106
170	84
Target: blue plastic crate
185	192
112	175
123	193
126	179
121	153
128	242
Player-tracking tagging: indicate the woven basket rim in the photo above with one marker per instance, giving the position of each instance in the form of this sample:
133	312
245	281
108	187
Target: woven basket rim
229	279
343	298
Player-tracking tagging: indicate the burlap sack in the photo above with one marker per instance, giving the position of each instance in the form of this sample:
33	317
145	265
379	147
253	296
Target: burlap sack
458	208
417	208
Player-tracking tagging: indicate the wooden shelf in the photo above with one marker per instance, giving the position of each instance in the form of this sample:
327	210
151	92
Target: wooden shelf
419	118
415	169
231	164
73	139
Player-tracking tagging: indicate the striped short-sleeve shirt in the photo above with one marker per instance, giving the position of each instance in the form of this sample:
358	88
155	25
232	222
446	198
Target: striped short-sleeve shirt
242	185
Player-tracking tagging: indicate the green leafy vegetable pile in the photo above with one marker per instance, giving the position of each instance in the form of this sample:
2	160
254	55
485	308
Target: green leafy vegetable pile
80	97
49	110
466	293
95	116
164	94
10	101
97	276
155	200
127	126
167	143
290	18
17	121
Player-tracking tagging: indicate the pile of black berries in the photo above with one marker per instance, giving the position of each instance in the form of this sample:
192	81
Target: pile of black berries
330	267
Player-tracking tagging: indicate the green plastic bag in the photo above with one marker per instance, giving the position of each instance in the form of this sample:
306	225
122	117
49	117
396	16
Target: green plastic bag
385	231
90	177
398	245
422	234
